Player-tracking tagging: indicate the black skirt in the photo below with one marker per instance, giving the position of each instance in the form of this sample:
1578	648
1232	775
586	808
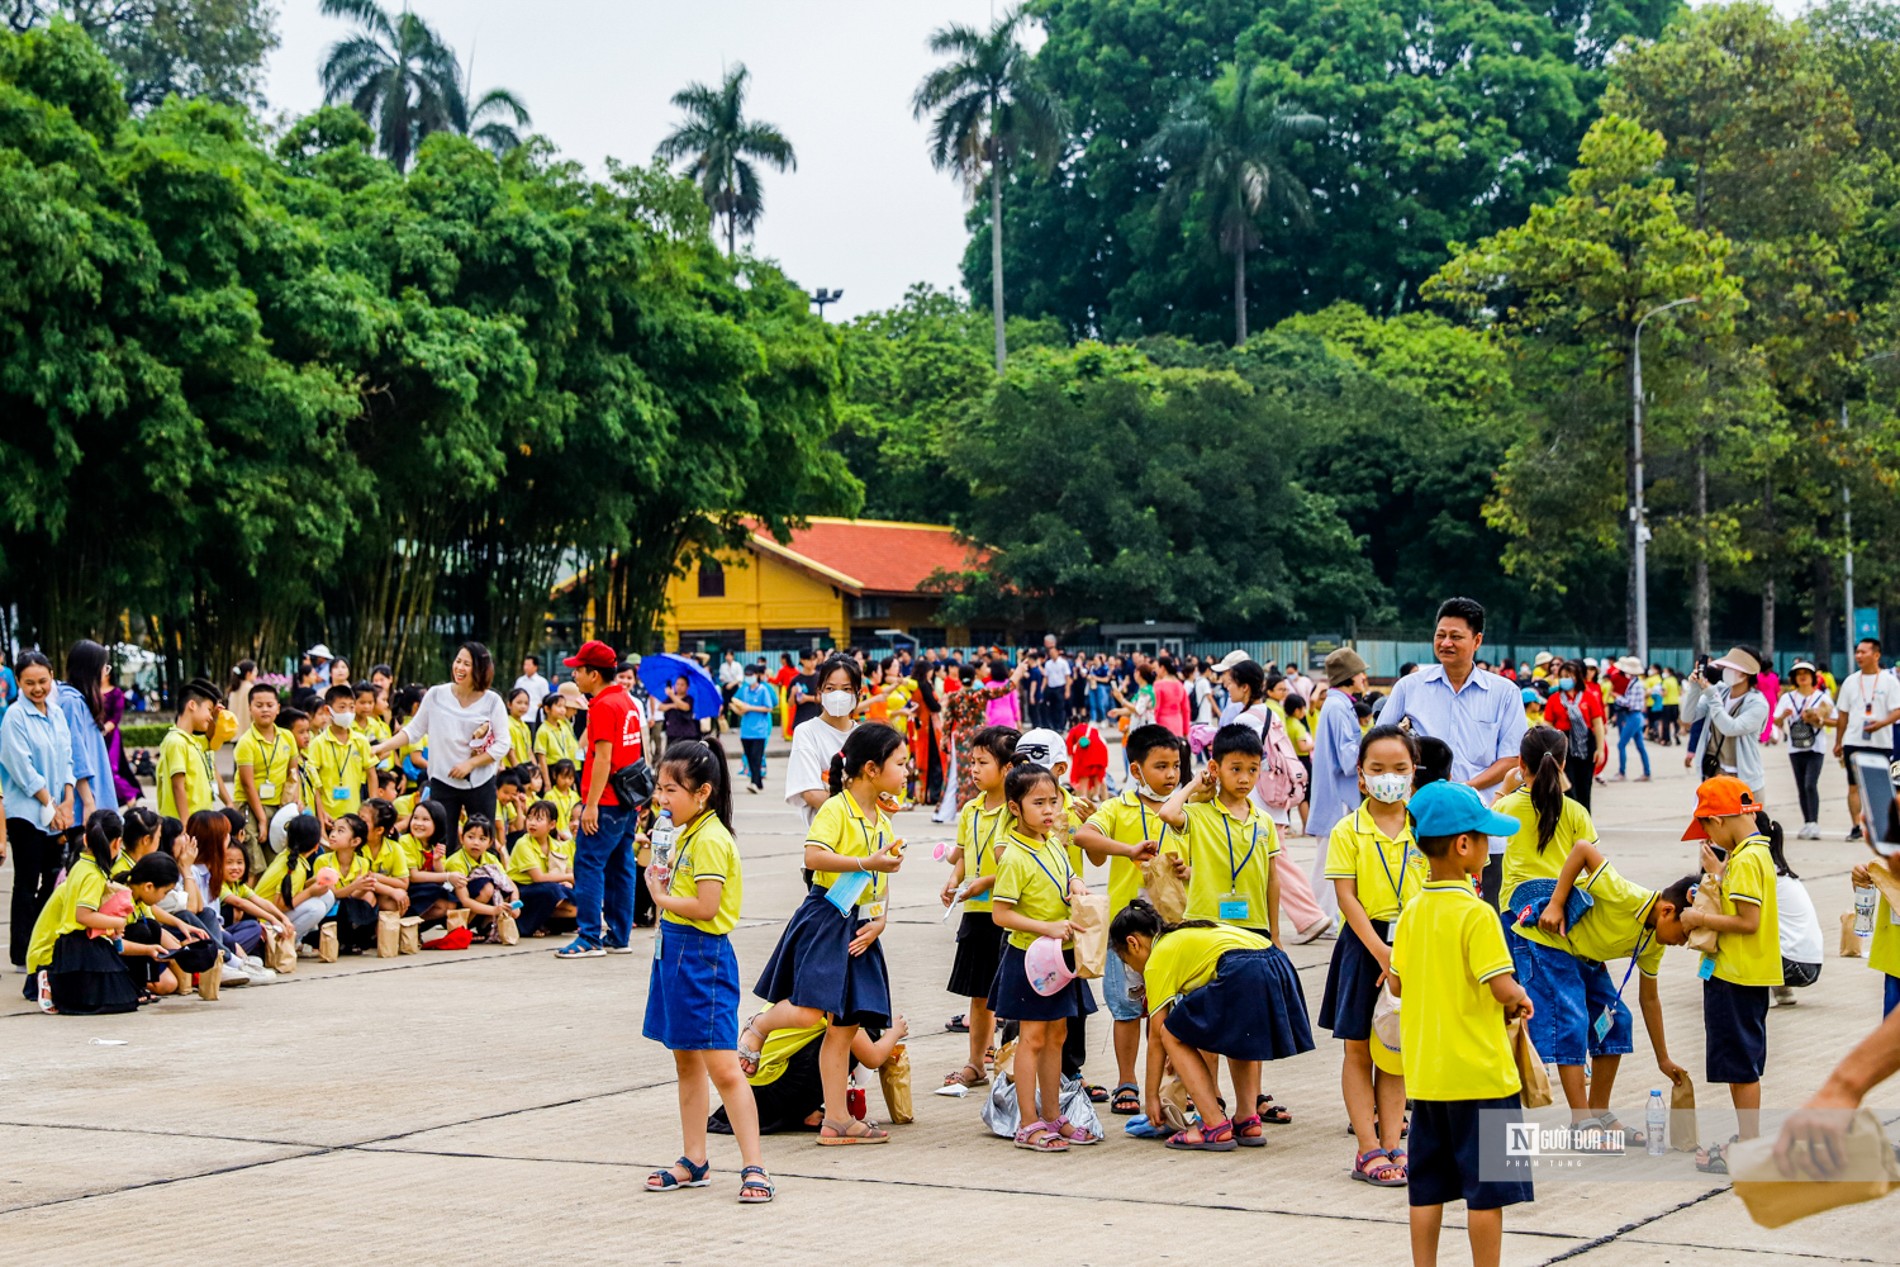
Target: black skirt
1251	1010
813	966
979	951
1352	985
355	922
89	977
1011	996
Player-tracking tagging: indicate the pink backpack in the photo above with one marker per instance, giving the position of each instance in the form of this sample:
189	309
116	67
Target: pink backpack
1282	778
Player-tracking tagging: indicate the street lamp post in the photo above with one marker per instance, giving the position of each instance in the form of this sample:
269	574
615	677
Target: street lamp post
824	297
1639	526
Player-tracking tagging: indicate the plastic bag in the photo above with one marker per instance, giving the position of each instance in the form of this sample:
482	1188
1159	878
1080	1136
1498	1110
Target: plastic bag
1003	1115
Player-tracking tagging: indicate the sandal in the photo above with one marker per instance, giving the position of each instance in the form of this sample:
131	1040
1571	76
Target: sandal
1041	1137
750	1189
1607	1121
749	1057
1216	1137
1075	1135
1243	1125
1277	1114
1713	1160
958	1024
1097	1093
697	1176
843	1133
1127	1100
966	1076
1386	1174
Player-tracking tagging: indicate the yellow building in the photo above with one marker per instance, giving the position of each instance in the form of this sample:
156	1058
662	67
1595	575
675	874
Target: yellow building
837	583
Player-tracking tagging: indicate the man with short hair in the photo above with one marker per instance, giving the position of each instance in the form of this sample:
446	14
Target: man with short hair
1056	672
604	873
536	686
1476	712
1864	713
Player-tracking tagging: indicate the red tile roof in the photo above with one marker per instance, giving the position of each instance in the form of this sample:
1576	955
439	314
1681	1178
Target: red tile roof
873	556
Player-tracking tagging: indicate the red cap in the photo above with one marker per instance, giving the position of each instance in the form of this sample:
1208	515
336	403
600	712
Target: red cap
594	654
1719	798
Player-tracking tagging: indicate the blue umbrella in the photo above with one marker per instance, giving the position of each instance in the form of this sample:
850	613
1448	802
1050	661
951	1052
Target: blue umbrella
659	671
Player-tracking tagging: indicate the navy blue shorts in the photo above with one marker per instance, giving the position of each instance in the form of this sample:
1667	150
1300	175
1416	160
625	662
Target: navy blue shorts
1352	985
814	967
693	991
1735	1030
1458	1154
1569	994
1251	1010
1012	998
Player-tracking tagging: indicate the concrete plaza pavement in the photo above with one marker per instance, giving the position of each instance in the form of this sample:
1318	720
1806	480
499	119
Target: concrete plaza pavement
497	1102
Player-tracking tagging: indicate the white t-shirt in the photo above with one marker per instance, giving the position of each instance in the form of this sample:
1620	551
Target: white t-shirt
731	673
1055	674
808	769
1857	695
451	729
1800	926
1790	707
537	688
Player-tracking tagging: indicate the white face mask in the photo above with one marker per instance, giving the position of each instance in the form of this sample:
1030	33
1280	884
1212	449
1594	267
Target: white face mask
1390	788
838	703
1142	789
1731	676
342	717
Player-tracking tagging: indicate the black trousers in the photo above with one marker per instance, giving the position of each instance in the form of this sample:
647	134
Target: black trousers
754	760
1807	783
1583	776
456	800
37	859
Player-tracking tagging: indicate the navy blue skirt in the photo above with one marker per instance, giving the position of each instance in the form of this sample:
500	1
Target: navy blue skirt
979	951
1251	1010
423	896
1011	997
1352	985
813	967
693	990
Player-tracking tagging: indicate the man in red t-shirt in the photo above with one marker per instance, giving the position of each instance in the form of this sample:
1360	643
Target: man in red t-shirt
605	878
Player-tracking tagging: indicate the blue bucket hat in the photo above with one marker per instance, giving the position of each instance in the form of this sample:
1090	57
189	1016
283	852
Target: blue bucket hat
1446	809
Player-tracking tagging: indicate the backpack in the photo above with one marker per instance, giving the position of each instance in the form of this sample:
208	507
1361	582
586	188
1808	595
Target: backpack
1282	778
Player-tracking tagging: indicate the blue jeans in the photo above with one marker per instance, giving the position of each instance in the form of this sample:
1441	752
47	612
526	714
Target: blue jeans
604	877
1099	700
1631	727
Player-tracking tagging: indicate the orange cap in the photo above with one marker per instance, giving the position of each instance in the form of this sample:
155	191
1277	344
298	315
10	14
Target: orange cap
1718	798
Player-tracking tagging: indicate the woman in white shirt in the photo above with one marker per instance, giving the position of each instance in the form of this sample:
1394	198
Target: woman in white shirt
817	740
467	726
1802	715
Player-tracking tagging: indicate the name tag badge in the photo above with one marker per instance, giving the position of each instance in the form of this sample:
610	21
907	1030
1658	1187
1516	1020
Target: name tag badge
1605	1020
874	911
659	932
266	790
340	794
1234	909
1707	969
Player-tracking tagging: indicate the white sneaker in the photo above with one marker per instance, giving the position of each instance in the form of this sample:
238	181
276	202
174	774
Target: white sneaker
235	974
1809	831
253	961
306	952
262	976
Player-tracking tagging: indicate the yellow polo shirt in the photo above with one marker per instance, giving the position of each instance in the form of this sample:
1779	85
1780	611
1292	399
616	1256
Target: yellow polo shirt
1232	862
843	828
1522	859
1749	877
1613	929
340	768
180	753
1187	958
1388	871
705	850
270	762
981	834
1034	878
85	886
1129	820
1447	946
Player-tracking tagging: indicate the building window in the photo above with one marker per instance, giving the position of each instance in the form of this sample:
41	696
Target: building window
870	608
712	579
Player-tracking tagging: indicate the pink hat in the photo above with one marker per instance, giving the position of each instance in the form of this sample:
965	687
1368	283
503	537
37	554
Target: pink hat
118	905
1048	972
328	876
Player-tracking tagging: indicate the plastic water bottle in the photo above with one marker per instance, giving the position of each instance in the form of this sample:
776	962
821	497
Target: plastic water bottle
1656	1122
1864	899
662	839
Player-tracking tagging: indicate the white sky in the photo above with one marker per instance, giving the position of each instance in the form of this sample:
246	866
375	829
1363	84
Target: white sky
864	211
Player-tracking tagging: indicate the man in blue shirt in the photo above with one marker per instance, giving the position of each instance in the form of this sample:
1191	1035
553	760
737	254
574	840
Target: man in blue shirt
1476	712
755	703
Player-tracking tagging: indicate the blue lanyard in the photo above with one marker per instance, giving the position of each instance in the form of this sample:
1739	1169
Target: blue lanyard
865	827
976	838
1405	858
1061	885
1233	881
1642	944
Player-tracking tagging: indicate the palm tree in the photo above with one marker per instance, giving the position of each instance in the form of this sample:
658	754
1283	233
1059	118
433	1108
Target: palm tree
990	106
720	144
1227	146
399	75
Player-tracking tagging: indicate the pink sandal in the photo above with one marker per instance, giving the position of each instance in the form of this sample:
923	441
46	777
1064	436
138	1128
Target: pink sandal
1041	1137
1080	1135
1389	1173
1216	1137
1249	1133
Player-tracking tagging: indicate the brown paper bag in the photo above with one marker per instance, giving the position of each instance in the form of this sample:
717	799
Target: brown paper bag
458	918
210	979
280	955
1088	916
388	934
1850	940
1708	901
893	1076
507	932
326	944
1530	1069
1884	880
410	940
1683	1134
1773	1199
1164	889
1174	1103
1005	1063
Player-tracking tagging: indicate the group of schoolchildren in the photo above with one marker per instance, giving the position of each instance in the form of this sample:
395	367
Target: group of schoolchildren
318	842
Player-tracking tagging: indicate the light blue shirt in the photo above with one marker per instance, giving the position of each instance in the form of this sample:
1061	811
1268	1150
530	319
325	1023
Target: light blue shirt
1335	765
1483	720
89	748
756	725
36	755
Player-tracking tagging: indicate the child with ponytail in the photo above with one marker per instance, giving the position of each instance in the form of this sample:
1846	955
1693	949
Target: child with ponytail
982	833
693	990
290	882
68	969
1550	821
828	964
